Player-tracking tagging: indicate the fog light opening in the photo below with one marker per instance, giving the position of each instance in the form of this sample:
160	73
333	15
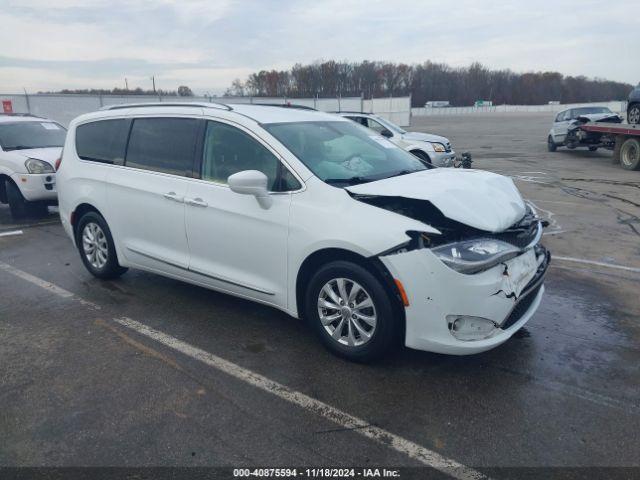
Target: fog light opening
469	328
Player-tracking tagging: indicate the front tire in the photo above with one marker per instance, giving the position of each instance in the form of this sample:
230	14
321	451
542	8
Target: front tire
551	145
351	311
633	114
96	247
18	206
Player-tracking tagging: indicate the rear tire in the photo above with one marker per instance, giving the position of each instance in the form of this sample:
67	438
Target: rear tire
96	247
593	149
630	154
633	114
17	203
551	145
369	328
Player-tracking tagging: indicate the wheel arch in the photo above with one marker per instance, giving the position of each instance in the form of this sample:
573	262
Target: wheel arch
373	264
3	187
79	212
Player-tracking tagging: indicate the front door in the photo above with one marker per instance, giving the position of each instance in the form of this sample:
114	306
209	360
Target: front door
237	244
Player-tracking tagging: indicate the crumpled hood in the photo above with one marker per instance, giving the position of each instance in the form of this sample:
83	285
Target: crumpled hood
424	137
596	117
479	199
49	154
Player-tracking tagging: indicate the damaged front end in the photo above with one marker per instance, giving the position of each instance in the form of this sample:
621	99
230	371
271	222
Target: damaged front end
473	288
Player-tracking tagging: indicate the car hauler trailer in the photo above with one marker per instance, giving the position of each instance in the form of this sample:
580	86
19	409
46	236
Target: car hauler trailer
622	138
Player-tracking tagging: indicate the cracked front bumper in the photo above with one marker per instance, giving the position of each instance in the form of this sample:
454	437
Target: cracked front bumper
507	294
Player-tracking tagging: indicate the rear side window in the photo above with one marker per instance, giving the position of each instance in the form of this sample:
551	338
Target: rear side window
163	145
103	141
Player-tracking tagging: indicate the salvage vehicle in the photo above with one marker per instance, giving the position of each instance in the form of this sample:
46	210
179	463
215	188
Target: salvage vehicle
29	147
433	150
567	123
309	213
633	107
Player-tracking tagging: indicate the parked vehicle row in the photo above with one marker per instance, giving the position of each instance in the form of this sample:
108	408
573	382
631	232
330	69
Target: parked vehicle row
307	212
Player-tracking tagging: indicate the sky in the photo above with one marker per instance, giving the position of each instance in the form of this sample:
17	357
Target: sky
206	44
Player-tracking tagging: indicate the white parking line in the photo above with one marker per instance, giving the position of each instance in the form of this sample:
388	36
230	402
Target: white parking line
345	420
9	234
412	450
59	291
599	264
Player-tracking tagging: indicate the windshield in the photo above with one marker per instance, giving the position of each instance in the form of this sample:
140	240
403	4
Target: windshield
391	126
589	110
25	135
344	153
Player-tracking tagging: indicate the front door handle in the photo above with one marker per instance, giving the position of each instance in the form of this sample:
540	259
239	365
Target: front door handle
173	196
196	202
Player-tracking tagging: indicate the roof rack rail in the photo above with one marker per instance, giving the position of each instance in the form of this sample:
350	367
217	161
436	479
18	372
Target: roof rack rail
282	105
220	106
20	115
351	111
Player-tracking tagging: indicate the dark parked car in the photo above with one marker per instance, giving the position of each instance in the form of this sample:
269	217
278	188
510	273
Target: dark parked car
633	110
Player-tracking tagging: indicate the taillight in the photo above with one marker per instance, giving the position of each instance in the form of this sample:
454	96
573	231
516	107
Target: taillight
58	162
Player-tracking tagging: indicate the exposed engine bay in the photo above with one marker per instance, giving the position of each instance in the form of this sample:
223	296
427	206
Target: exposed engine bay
577	137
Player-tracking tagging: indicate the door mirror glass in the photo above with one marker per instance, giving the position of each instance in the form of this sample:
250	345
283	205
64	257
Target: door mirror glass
386	133
249	182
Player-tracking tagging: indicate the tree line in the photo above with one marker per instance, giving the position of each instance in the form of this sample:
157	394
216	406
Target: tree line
183	91
426	82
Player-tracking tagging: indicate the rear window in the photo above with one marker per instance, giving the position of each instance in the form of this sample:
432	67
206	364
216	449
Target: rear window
163	145
103	141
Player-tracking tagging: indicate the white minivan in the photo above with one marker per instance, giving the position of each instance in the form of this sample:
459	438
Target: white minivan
307	212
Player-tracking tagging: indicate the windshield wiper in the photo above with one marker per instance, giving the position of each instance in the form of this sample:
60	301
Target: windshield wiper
18	147
348	181
405	172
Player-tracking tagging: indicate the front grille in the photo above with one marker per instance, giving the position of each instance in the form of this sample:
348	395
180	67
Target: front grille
530	292
447	147
520	234
521	308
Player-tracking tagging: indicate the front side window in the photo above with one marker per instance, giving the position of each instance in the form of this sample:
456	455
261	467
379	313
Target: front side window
103	141
26	135
164	145
343	153
229	150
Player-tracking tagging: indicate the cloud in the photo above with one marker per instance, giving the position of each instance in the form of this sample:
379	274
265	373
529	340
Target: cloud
207	43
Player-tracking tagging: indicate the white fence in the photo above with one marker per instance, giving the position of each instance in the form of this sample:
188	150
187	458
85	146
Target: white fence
614	106
63	108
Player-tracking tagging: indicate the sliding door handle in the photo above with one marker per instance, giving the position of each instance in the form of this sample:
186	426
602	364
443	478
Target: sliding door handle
173	196
196	202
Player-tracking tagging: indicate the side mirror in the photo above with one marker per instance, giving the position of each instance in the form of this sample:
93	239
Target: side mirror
251	182
386	133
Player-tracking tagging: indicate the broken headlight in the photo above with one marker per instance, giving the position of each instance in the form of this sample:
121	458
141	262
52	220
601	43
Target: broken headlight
472	256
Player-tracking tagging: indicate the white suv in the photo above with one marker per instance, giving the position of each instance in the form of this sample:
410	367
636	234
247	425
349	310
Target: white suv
431	149
29	148
307	212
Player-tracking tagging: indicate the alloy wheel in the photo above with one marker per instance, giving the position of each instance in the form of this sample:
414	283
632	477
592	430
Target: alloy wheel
94	245
347	312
